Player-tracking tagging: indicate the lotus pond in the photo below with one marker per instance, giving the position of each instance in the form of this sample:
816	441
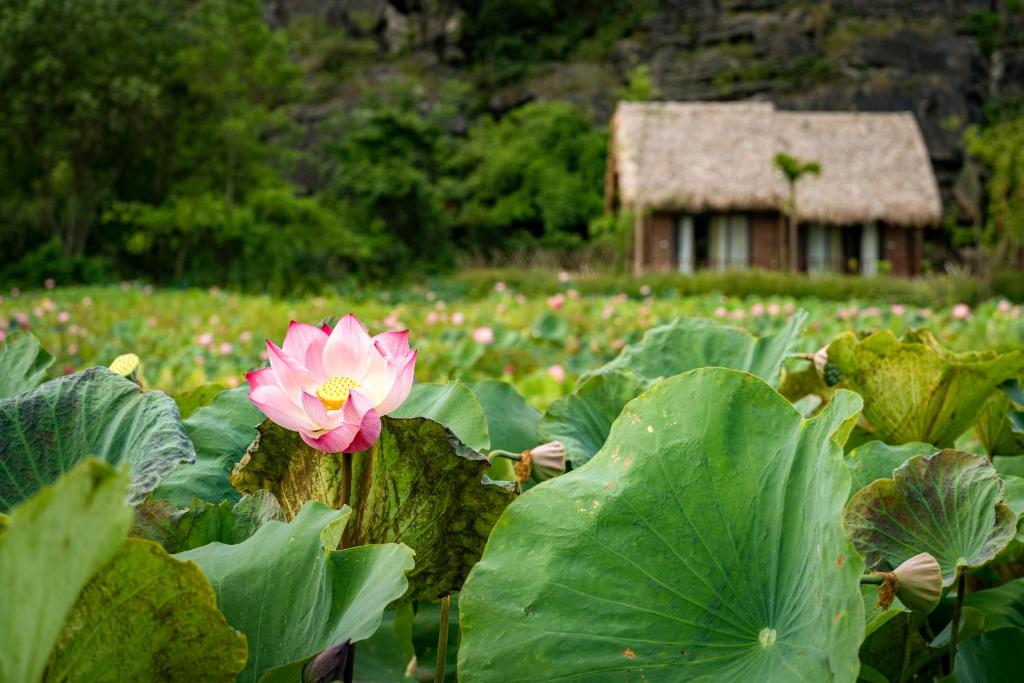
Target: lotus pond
575	488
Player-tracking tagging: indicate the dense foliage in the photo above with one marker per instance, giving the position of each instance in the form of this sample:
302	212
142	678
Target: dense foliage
782	500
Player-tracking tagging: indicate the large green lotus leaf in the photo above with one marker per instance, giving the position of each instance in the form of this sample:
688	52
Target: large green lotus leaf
418	485
511	421
877	460
914	390
582	420
997	425
44	432
200	397
23	364
454	405
201	523
689	343
147	617
703	542
1003	606
949	504
53	544
221	433
293	595
992	657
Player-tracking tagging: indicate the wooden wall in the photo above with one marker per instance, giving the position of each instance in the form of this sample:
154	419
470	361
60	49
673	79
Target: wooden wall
766	233
903	248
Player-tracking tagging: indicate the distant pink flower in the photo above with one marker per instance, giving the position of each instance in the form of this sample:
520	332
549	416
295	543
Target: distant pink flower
645	290
556	301
564	276
245	336
961	312
38	311
432	317
871	312
232	381
87	301
63	317
721	312
738	314
509	369
213	320
757	310
49	283
198	360
608	311
788	309
1015	311
898	309
226	348
500	287
774	309
49	305
152	321
520	298
147	290
483	335
332	386
125	285
617	344
3	335
458	318
573	294
557	373
22	318
1003	306
205	339
72	349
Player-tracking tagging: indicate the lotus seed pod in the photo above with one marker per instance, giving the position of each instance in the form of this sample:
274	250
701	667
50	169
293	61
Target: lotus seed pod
548	460
125	364
919	583
330	665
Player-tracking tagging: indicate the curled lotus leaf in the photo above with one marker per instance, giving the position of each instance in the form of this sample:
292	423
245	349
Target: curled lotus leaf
913	389
1000	425
877	460
583	419
703	542
949	504
46	431
23	364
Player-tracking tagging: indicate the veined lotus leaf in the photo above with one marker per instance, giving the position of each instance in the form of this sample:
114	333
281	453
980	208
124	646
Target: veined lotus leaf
949	504
418	485
454	405
200	397
914	390
582	420
201	523
23	364
704	541
689	343
147	617
990	657
511	421
293	595
1003	606
1000	425
877	460
53	545
46	431
221	433
884	644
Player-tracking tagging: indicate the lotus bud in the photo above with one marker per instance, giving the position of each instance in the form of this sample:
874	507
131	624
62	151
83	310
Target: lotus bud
828	372
917	583
333	664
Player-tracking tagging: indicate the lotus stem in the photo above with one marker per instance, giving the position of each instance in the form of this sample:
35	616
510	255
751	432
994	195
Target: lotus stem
907	629
442	639
345	485
872	579
961	587
498	453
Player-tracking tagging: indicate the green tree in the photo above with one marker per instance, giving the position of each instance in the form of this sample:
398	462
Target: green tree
793	169
532	177
999	147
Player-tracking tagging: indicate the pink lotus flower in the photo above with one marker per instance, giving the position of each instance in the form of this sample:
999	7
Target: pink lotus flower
483	335
557	373
898	309
333	386
961	312
556	301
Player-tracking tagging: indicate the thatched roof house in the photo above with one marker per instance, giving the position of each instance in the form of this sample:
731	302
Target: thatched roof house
705	191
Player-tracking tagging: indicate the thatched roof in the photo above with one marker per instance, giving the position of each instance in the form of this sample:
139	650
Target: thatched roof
719	157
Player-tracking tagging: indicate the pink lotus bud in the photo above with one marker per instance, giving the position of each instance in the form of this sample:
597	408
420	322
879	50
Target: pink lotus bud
961	312
225	348
205	339
774	309
458	318
564	276
557	373
63	317
1003	306
556	301
500	287
757	310
898	309
721	312
483	335
645	290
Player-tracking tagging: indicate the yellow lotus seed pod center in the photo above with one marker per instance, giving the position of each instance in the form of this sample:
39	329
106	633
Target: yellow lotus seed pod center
334	392
125	364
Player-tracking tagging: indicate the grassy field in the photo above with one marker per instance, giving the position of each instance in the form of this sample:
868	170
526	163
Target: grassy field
539	342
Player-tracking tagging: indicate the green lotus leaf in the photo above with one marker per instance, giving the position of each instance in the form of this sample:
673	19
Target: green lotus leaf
1003	606
1000	425
949	505
46	431
200	397
201	523
221	433
418	485
877	460
293	595
454	405
23	364
582	420
511	421
147	617
704	541
914	390
53	545
990	657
